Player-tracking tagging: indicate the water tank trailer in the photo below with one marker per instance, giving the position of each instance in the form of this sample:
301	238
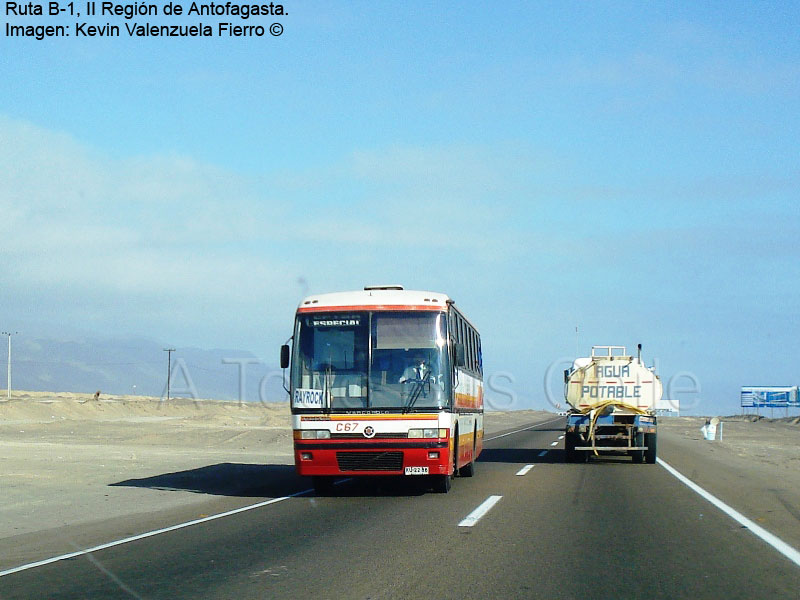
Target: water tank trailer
613	398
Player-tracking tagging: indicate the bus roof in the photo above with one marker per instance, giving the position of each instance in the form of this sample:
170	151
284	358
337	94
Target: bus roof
375	299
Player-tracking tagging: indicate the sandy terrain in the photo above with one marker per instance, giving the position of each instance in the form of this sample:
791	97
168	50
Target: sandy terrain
755	468
69	460
772	446
61	454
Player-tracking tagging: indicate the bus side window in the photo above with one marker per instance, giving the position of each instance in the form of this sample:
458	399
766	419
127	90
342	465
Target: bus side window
454	328
462	330
473	350
467	348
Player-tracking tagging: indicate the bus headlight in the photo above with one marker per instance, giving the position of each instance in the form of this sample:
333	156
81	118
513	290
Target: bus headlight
312	434
424	433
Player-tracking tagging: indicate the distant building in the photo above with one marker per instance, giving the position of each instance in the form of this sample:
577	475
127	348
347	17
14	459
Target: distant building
668	408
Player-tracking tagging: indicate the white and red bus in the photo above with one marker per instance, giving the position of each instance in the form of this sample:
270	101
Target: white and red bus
384	381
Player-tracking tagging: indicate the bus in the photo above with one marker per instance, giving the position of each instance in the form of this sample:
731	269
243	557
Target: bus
384	381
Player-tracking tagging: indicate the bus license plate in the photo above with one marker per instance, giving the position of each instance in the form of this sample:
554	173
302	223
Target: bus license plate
416	470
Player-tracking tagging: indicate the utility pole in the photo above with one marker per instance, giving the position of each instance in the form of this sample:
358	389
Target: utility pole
169	352
8	384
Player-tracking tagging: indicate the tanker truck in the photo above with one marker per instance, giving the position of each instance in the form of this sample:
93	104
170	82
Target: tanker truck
613	398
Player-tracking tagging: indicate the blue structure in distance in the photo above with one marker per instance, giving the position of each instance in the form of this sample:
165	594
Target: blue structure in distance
770	397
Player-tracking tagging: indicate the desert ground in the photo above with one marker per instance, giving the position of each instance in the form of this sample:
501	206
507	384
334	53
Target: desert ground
68	459
762	450
62	454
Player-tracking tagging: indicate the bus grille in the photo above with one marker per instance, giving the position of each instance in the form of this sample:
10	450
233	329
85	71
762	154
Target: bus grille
370	461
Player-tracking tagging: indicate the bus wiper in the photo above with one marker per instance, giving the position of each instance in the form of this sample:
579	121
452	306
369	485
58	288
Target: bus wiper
417	391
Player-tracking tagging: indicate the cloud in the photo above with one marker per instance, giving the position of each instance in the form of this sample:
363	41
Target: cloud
75	217
161	241
168	246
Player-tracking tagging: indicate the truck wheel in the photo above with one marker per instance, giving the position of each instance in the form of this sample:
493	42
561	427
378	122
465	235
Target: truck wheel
570	454
638	455
323	485
650	453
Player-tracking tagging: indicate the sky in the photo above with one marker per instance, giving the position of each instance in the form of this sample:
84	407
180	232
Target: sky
629	169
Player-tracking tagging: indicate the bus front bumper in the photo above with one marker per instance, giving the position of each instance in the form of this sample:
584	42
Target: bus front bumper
385	457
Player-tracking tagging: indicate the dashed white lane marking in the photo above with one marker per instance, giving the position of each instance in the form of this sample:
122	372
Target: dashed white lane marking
561	437
479	512
148	534
554	444
791	553
524	470
543	452
529	427
142	536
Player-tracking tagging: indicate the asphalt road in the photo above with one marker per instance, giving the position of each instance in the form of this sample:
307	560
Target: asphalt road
606	529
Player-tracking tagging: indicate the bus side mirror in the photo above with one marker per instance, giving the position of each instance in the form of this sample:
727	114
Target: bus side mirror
284	356
566	375
460	355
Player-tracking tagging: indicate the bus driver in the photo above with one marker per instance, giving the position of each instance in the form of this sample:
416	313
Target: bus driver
418	370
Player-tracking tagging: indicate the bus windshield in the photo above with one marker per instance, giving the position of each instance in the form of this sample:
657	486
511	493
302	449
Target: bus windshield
371	360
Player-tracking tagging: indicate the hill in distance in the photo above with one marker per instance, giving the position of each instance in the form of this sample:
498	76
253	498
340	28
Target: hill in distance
139	367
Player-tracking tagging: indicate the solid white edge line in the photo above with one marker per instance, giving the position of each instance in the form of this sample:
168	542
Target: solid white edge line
529	427
141	536
791	553
479	512
148	534
524	470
